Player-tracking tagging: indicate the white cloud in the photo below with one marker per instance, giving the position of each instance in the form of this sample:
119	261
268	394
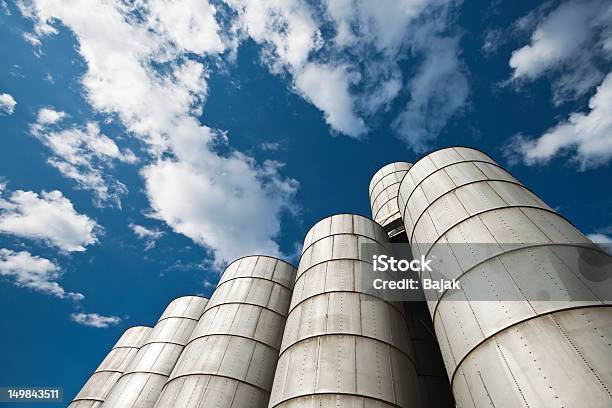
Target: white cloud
286	27
567	42
33	272
160	106
555	39
493	39
432	105
271	146
32	39
49	217
290	34
140	67
586	137
224	203
349	77
7	104
328	89
48	116
148	235
600	238
603	240
84	155
355	73
5	8
190	24
95	320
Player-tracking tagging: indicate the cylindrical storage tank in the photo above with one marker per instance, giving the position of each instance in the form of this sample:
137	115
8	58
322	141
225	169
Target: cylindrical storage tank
383	190
230	359
433	384
144	377
343	347
99	385
531	325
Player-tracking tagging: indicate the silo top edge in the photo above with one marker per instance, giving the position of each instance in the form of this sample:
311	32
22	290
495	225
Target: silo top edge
262	256
384	167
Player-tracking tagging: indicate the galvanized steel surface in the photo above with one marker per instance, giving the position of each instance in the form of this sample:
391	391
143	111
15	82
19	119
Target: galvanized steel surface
144	377
383	191
510	351
434	385
99	385
341	346
232	354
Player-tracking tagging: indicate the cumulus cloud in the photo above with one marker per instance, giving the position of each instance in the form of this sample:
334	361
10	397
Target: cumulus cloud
49	218
84	155
567	43
140	69
95	320
222	203
7	104
47	116
585	136
148	235
33	272
140	66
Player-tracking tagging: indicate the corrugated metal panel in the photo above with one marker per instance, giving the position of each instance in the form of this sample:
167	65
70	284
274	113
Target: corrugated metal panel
142	382
230	359
341	346
512	349
99	385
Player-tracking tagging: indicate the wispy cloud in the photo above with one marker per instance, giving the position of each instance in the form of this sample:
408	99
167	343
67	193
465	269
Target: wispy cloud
351	72
148	235
83	154
95	320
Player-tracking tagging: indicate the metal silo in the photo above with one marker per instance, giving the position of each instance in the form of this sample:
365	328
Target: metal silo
230	359
342	347
383	190
97	388
433	383
144	377
531	325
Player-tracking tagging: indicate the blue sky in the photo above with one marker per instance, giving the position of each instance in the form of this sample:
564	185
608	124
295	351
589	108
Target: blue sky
143	146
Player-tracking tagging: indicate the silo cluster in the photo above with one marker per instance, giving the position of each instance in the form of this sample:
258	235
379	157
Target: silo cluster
96	389
531	325
144	377
230	359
